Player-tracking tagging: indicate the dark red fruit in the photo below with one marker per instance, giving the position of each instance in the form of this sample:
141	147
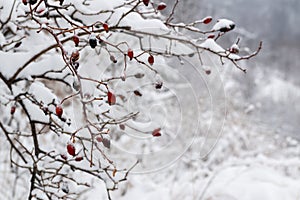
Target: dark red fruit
146	2
99	139
24	2
211	36
111	98
207	20
106	142
71	149
161	6
105	27
130	53
151	60
156	132
122	127
79	158
59	111
75	39
12	110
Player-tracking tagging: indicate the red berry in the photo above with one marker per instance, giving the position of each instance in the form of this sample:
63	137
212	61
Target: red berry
156	132
63	156
161	6
130	53
71	149
59	111
146	2
105	27
211	36
122	127
99	139
75	40
12	110
207	20
79	158
111	98
24	2
151	60
106	142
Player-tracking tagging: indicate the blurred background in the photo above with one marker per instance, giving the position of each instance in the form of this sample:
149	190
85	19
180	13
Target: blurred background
270	91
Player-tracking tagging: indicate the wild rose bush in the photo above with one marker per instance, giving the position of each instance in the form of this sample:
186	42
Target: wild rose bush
73	76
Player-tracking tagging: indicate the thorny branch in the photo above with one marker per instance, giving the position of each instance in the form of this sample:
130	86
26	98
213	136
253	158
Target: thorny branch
50	171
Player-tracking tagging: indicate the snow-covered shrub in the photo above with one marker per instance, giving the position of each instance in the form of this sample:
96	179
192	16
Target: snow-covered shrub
78	76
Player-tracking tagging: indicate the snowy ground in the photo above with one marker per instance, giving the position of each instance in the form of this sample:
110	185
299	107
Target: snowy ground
248	163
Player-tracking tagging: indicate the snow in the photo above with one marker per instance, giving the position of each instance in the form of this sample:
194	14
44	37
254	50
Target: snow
236	173
259	182
212	45
223	24
191	109
242	183
279	90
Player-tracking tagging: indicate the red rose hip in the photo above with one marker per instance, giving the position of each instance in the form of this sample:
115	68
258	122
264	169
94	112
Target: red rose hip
161	6
156	132
111	98
151	60
75	39
130	53
105	27
146	2
71	149
207	20
59	111
79	158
